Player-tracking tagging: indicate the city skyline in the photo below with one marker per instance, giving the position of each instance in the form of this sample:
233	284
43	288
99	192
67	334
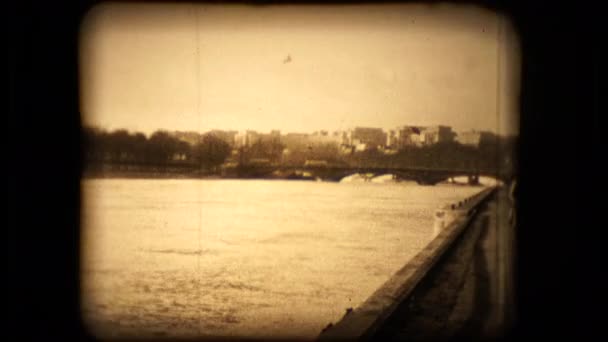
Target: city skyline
284	132
297	69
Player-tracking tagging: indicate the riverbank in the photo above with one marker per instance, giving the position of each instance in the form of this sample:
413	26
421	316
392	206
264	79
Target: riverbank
458	286
173	175
469	293
146	175
182	172
216	176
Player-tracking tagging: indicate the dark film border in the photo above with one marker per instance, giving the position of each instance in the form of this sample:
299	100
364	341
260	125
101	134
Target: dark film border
43	164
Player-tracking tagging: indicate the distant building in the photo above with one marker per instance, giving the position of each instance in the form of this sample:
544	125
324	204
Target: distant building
360	146
403	136
274	136
246	138
179	157
390	151
190	137
293	141
259	161
391	138
346	149
370	137
474	138
312	162
344	138
436	134
228	136
324	137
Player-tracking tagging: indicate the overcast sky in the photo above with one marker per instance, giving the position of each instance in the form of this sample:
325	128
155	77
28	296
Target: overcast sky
297	69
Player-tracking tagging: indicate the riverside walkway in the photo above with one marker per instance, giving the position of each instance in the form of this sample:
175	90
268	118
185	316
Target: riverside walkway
467	293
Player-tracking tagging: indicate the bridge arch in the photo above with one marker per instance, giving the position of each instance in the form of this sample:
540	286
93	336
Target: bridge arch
481	179
423	176
385	178
357	177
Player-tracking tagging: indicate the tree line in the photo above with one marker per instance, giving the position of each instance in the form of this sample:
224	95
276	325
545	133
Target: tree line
122	146
210	151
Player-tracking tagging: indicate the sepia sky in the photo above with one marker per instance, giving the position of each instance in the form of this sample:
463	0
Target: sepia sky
297	68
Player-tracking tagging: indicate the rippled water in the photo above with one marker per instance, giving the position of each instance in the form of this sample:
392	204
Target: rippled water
243	257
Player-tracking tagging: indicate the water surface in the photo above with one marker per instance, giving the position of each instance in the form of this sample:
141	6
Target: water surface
244	257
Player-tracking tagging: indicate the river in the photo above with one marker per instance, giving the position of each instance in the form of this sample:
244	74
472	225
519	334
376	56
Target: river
257	258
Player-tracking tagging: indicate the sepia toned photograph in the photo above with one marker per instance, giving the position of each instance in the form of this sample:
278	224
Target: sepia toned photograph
298	172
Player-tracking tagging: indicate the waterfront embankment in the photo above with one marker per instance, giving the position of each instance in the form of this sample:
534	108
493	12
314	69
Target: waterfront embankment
460	285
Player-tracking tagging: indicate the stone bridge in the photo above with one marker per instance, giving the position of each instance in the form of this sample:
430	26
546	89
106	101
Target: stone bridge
422	175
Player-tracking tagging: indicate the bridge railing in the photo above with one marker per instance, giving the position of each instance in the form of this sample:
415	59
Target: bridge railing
364	321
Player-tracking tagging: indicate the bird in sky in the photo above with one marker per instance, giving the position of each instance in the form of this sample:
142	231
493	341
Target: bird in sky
287	60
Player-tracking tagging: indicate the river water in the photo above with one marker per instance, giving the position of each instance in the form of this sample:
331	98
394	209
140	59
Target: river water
257	258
